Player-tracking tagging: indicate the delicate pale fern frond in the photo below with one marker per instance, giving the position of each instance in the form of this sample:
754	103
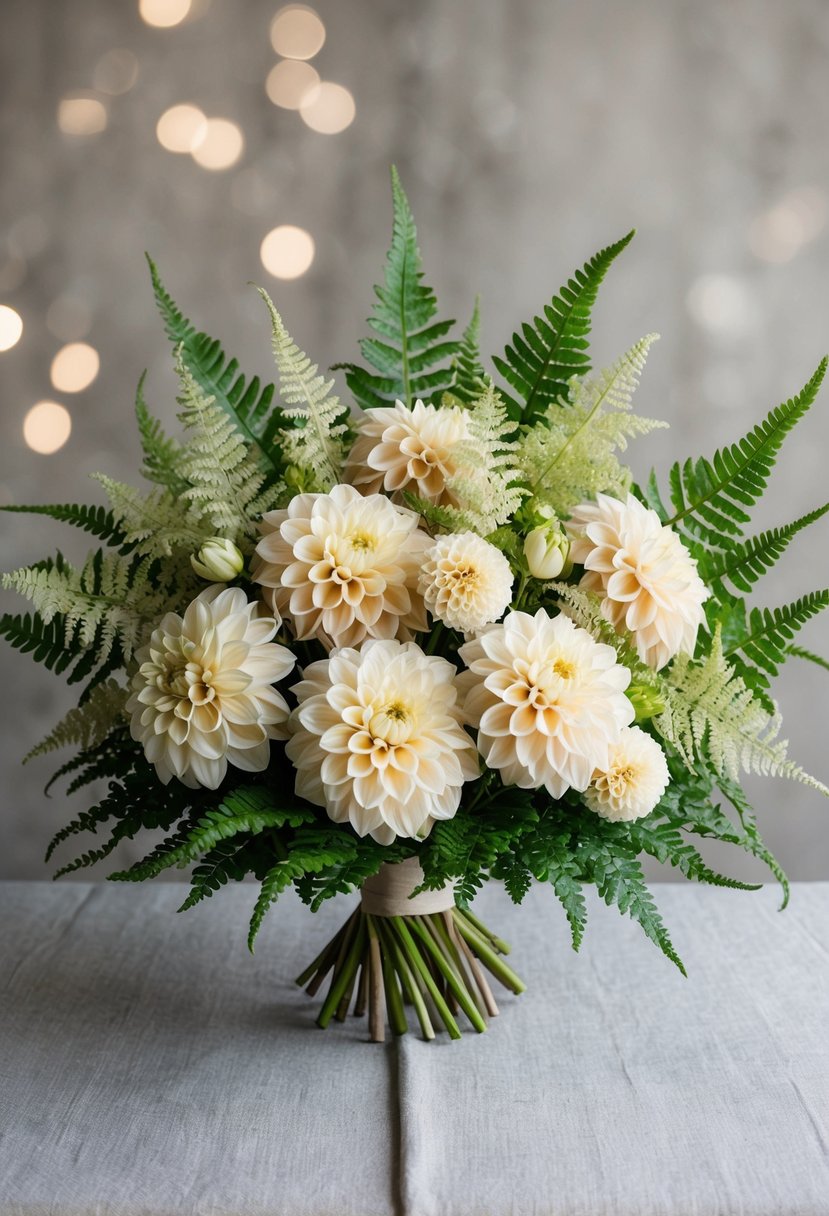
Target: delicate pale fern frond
469	380
745	562
572	456
97	520
410	354
154	524
248	404
161	453
711	499
711	715
316	444
225	484
109	601
87	725
548	352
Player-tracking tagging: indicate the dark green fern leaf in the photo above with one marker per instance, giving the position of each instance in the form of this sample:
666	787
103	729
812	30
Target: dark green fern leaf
310	851
541	360
800	653
95	519
410	357
665	842
744	563
757	643
468	376
711	498
161	453
246	402
227	861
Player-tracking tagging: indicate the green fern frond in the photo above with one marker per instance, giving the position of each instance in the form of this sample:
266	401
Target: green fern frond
95	519
711	715
301	860
410	354
154	524
49	643
711	499
248	404
572	457
225	484
800	653
228	861
316	442
469	380
161	452
548	352
745	562
757	643
666	843
87	725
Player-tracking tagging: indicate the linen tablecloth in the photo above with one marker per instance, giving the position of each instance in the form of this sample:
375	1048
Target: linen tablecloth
149	1065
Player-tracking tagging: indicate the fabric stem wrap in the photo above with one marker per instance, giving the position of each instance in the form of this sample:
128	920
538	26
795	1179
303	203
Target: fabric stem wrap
389	891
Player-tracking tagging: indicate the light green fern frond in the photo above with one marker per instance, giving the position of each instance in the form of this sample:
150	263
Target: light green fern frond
224	482
161	453
469	379
572	456
316	442
88	724
154	523
710	714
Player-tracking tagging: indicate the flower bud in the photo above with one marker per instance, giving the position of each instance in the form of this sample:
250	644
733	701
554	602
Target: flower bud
218	560
645	700
547	551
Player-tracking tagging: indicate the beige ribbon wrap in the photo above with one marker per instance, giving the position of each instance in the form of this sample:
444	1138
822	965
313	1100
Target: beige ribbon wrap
388	892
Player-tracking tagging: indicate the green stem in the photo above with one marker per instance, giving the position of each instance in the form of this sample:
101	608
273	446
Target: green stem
447	971
413	990
488	956
500	945
341	980
394	1001
414	955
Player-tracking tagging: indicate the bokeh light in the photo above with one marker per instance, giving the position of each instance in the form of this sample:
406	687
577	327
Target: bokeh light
291	82
287	251
780	233
11	327
163	14
115	72
297	32
74	367
81	116
723	305
47	426
219	146
181	128
329	109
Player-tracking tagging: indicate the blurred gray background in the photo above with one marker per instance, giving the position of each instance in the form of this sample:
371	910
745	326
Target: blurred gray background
527	134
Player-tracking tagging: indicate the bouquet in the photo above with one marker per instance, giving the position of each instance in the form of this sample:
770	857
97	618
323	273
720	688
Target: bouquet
407	647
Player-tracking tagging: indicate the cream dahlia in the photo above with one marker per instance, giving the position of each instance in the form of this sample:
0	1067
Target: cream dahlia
377	739
202	696
547	700
398	448
342	567
633	780
647	579
465	581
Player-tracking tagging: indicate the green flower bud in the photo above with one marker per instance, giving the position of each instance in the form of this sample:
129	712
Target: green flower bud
547	551
294	477
645	700
218	560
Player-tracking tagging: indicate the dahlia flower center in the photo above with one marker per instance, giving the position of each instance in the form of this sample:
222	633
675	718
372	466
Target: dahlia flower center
362	541
187	681
393	724
619	778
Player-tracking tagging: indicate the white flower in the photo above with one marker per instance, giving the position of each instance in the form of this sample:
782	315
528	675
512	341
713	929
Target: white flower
547	700
634	779
377	739
343	567
547	551
646	576
466	582
400	448
218	560
202	695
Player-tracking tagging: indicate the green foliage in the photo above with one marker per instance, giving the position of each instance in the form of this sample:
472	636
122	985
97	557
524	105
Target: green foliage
95	519
711	498
227	861
552	349
50	643
800	653
410	357
316	442
86	725
156	524
736	570
572	456
247	404
469	380
757	643
161	453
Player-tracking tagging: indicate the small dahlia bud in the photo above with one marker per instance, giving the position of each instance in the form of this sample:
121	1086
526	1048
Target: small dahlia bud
218	560
547	551
646	701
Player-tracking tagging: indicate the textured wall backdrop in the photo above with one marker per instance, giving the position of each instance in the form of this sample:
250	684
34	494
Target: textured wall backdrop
528	134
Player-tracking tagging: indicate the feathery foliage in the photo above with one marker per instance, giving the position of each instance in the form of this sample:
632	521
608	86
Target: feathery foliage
549	351
161	453
572	456
316	442
410	357
154	524
86	725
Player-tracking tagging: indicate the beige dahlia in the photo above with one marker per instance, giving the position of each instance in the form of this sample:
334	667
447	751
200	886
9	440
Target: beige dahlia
465	581
634	779
202	697
648	580
548	701
342	567
377	739
398	448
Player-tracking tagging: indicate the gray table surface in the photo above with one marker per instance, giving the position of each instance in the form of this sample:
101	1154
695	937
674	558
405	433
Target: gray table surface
148	1065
